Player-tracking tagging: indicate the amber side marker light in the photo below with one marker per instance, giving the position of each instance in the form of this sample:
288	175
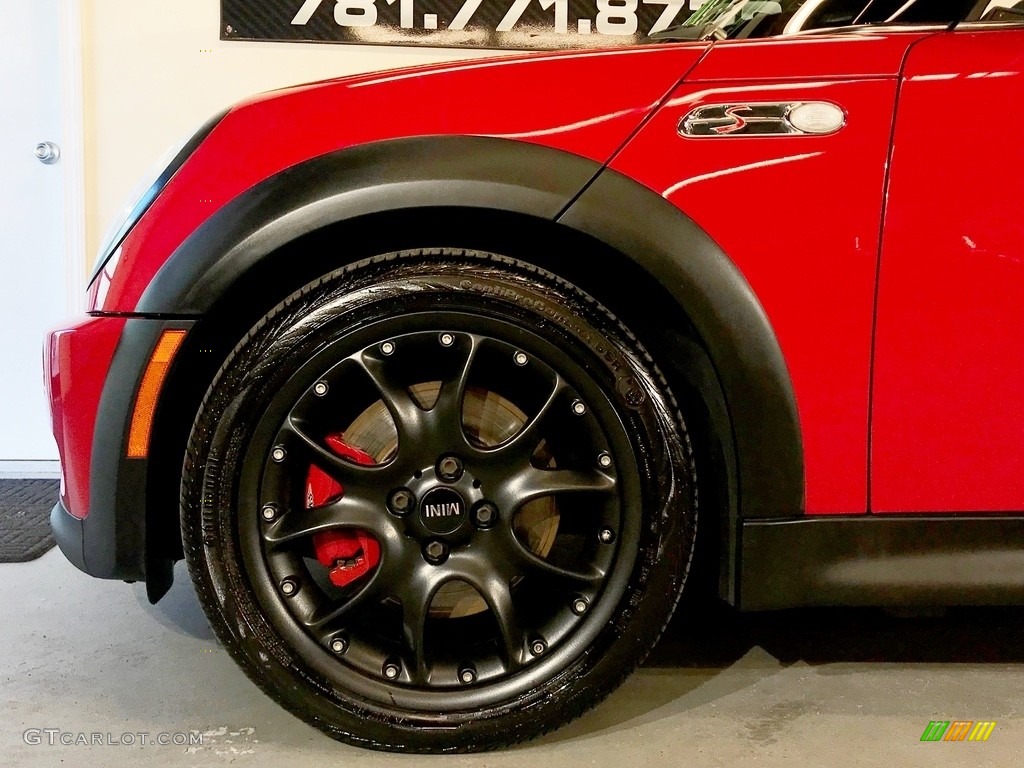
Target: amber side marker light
149	392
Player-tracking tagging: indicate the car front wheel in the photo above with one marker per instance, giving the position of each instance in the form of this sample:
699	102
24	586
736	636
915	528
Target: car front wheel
438	501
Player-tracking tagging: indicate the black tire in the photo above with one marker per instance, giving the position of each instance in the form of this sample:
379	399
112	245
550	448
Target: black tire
556	625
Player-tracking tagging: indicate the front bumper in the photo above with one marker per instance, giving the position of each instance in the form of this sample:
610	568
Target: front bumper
93	372
76	363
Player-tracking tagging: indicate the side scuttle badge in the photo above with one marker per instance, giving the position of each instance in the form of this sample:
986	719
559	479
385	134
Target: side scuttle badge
799	118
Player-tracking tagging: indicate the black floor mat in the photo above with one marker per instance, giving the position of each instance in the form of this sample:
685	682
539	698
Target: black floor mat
25	507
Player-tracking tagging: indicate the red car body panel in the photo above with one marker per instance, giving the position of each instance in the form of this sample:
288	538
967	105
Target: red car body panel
799	216
948	424
612	92
815	57
76	364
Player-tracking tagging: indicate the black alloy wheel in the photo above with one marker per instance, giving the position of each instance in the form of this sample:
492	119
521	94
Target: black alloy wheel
438	501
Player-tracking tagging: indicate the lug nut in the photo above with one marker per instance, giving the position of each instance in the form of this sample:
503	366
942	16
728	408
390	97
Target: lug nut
538	647
579	407
320	388
338	645
447	339
604	460
579	606
278	454
435	552
449	468
289	587
392	670
606	536
520	358
387	348
269	512
401	502
467	675
485	515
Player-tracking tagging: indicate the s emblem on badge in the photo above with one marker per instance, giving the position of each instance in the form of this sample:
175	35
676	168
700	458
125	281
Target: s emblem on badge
738	124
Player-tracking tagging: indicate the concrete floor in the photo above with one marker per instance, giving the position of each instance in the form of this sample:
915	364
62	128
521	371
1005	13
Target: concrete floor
818	688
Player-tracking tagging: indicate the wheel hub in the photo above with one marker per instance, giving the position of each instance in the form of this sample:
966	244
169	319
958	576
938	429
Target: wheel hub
443	500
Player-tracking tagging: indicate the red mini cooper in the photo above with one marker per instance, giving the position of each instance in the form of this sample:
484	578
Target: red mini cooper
427	373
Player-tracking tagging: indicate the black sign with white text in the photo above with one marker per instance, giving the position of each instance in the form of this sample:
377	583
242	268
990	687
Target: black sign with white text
517	24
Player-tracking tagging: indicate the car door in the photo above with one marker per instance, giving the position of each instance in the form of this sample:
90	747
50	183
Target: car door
947	430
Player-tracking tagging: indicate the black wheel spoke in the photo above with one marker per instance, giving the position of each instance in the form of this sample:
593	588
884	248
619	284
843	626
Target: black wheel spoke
349	512
529	561
407	415
525	441
416	597
330	616
533	483
447	411
495	592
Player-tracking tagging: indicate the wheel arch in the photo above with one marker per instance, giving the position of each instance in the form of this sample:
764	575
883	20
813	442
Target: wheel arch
231	276
731	326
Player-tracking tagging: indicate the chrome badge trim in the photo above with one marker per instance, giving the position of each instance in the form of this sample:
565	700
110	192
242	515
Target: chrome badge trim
812	118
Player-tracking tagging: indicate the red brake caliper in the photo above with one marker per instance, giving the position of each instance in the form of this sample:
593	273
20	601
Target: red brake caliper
350	554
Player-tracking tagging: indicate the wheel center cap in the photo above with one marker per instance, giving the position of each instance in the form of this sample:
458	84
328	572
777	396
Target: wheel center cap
443	511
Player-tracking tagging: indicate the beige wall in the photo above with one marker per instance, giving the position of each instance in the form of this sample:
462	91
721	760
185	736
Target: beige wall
156	69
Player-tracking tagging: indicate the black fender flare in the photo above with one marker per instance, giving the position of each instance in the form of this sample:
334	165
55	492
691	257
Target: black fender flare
730	322
549	184
400	174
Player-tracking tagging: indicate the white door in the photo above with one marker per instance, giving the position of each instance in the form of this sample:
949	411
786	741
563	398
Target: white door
33	270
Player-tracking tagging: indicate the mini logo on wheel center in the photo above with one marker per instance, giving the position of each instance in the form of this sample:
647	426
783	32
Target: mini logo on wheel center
452	509
443	510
